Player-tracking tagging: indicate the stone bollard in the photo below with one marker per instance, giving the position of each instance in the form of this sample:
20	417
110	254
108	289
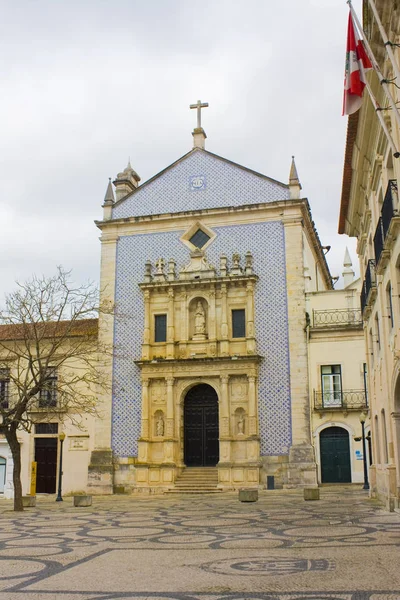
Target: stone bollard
250	495
28	501
82	500
311	493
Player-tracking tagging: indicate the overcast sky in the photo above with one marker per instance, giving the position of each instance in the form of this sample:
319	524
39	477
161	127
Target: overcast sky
87	84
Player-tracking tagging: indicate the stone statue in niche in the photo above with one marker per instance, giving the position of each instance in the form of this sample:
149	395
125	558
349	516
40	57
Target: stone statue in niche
160	426
199	322
240	424
200	319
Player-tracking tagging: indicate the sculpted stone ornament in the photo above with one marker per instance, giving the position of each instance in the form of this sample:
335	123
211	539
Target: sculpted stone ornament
240	425
199	322
160	426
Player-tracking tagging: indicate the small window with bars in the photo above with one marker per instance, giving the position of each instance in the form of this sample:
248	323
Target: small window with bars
238	323
4	388
48	393
199	239
160	328
46	428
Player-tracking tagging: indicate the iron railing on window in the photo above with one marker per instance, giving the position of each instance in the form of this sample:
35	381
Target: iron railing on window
343	400
337	317
388	206
369	283
378	240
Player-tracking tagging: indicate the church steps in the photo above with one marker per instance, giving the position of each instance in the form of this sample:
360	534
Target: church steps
196	480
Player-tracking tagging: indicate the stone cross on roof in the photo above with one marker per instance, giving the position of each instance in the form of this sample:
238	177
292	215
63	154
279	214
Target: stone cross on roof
199	106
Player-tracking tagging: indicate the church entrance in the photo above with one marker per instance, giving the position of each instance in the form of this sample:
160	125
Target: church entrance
201	432
335	455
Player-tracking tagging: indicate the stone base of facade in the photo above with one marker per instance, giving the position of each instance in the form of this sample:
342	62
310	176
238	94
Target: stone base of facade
302	468
101	472
383	486
235	476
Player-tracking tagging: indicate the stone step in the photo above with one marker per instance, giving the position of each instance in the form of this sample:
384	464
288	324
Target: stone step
192	491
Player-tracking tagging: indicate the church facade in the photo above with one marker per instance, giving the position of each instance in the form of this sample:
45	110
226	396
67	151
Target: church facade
204	266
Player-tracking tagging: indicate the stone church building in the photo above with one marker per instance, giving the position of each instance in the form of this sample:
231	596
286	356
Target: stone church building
205	267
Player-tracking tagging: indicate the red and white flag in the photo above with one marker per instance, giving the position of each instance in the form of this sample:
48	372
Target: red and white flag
357	62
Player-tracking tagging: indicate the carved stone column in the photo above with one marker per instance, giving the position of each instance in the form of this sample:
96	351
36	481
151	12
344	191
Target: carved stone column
169	431
224	322
171	328
224	406
146	330
252	405
224	444
145	409
250	342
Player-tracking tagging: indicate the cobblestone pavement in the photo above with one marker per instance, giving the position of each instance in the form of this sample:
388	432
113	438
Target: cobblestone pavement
343	547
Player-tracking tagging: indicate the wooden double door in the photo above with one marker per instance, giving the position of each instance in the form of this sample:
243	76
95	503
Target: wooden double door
201	430
335	455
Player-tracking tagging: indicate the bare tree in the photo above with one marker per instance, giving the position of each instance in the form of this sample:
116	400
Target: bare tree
49	358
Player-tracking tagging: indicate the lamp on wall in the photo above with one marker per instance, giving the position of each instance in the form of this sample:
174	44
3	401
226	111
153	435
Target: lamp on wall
362	421
61	437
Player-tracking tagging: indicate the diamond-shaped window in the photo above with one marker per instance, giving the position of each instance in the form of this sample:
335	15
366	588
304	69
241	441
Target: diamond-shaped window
199	239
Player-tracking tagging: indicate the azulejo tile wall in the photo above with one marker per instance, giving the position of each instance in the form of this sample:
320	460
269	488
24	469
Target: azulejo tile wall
222	184
266	242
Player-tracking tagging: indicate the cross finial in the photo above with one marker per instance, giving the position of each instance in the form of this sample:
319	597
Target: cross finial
199	105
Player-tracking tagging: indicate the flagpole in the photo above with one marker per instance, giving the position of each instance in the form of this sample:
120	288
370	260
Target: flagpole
385	40
382	80
375	104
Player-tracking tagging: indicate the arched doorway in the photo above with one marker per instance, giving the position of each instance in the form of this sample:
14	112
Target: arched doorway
201	432
335	455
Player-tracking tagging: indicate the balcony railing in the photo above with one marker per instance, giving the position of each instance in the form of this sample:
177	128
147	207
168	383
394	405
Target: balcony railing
388	207
379	239
369	283
342	317
344	400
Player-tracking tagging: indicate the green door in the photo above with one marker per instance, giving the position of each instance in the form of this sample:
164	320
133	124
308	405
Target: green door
335	455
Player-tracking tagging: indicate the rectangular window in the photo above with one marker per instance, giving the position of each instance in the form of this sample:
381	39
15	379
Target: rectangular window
377	333
46	428
160	328
390	305
4	388
238	323
331	379
48	393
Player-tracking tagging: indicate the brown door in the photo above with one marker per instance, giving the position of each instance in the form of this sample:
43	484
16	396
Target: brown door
46	458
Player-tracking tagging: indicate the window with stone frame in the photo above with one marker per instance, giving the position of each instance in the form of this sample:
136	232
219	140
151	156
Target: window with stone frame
4	388
160	328
239	323
48	394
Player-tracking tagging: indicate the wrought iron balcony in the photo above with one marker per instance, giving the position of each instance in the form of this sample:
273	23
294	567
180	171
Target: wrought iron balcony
388	207
344	400
369	284
343	317
378	240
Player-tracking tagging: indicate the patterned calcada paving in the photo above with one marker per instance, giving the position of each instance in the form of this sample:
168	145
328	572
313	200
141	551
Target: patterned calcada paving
343	547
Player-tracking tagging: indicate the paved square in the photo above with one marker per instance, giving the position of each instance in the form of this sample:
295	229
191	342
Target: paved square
343	547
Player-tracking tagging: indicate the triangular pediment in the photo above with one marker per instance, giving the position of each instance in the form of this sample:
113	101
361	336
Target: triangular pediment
200	180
